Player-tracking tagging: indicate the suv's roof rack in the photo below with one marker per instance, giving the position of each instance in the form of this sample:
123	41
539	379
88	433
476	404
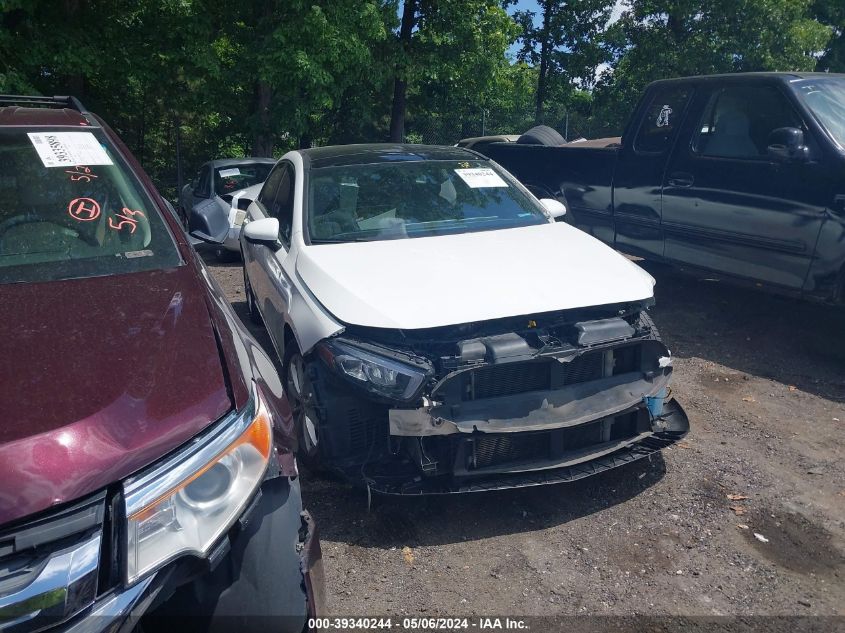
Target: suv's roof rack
36	100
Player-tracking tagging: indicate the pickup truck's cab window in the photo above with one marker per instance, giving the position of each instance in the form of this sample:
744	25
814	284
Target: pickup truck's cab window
738	120
825	97
661	119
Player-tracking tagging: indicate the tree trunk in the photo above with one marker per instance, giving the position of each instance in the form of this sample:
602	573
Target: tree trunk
262	144
545	53
75	80
400	86
262	140
540	97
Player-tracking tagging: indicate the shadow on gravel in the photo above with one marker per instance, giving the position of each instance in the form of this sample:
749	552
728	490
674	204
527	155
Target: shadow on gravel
794	342
438	520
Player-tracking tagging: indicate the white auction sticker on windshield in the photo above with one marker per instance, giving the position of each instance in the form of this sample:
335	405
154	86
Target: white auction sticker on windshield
227	173
481	178
66	149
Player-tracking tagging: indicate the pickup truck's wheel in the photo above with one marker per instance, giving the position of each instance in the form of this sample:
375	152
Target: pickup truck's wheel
251	305
541	135
300	392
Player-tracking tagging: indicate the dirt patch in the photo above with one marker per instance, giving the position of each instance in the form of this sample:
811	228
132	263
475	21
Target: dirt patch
795	543
724	382
390	526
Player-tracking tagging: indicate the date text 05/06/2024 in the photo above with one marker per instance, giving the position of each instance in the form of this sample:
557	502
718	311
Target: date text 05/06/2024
419	624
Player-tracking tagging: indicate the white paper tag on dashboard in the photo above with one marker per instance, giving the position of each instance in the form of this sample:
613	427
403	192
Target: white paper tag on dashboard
228	173
66	149
481	178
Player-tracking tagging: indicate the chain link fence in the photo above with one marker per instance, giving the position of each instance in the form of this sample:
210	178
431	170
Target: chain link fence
447	128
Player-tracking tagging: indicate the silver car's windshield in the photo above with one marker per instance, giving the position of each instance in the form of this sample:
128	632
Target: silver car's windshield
413	199
826	98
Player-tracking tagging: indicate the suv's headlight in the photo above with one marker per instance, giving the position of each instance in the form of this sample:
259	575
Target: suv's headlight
183	505
381	375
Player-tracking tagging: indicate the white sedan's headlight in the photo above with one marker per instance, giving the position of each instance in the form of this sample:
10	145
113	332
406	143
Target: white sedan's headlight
381	375
184	505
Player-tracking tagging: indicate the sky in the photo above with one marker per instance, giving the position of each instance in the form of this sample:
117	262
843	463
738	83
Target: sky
532	5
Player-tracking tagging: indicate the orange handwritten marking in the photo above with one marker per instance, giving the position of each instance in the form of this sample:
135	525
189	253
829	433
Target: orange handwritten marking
80	173
84	209
125	219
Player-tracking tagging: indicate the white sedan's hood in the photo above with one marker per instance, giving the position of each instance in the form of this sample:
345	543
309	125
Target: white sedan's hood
452	279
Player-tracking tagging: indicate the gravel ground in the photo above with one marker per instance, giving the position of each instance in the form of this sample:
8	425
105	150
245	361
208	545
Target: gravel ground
762	379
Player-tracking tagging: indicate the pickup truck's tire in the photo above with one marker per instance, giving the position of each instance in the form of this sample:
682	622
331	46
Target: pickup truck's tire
541	135
298	377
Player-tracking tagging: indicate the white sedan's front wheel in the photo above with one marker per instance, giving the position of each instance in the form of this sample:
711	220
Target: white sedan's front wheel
300	393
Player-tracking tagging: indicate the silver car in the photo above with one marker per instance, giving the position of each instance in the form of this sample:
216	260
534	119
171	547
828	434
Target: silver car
217	190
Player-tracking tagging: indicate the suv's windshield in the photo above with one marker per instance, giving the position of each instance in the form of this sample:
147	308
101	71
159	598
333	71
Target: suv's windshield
235	177
413	199
826	98
70	208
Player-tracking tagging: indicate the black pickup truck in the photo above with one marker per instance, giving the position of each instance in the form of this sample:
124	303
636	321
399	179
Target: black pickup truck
741	175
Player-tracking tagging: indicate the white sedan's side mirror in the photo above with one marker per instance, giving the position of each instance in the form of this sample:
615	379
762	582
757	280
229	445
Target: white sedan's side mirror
265	231
553	207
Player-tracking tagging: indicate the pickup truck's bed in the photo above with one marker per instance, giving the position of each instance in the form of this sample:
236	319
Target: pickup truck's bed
578	172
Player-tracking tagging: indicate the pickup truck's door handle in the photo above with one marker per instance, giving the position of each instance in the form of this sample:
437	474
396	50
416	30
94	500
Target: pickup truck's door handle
681	179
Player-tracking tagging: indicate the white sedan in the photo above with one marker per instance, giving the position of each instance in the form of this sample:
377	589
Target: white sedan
440	332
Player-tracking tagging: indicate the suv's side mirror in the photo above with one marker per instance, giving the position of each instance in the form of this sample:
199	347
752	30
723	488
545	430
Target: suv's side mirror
553	207
787	144
264	231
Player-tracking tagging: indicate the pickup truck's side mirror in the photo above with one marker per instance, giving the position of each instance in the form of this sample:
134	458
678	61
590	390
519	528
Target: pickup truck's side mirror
787	144
553	207
264	231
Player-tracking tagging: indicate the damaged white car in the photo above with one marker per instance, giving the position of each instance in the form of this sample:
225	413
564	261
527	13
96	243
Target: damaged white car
440	332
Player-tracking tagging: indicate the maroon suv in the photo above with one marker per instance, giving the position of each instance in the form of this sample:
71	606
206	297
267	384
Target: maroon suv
146	454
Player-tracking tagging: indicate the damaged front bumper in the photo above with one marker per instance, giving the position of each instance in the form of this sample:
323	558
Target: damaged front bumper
522	409
567	466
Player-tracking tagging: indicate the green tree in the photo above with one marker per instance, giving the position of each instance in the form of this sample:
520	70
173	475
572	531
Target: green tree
451	59
567	46
670	38
832	13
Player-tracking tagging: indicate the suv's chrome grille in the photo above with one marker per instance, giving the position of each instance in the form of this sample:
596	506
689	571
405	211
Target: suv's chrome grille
49	567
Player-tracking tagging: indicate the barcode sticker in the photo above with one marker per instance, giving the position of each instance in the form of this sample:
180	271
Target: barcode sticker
481	178
66	149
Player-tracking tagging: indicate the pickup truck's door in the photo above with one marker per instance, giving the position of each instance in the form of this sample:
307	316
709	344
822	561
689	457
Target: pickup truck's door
640	167
730	208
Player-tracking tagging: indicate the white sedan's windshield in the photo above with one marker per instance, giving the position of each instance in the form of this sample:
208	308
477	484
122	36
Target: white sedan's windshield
413	199
826	98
